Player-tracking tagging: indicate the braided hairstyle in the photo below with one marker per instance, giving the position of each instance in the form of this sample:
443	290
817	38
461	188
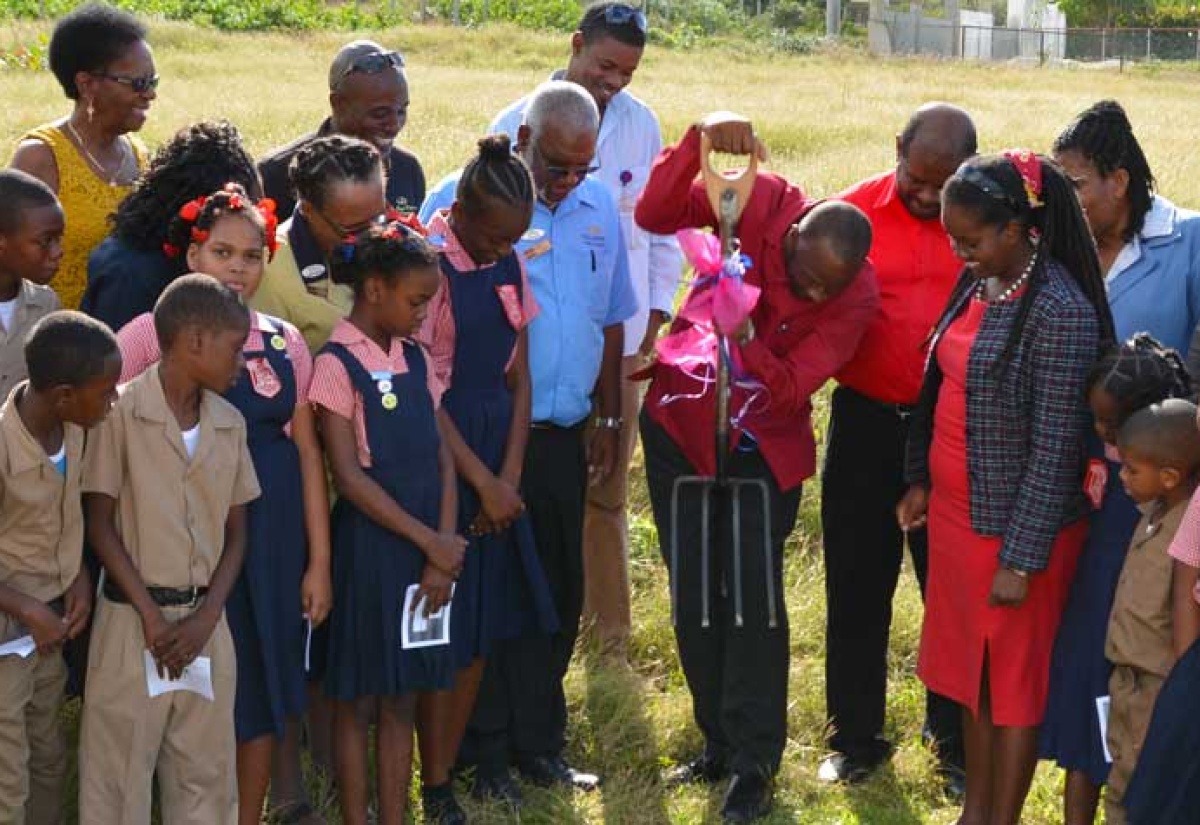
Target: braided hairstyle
1138	373
1103	135
197	161
326	161
196	218
388	250
495	173
1058	224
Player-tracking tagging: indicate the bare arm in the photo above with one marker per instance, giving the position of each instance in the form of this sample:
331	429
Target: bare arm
316	588
36	158
1185	611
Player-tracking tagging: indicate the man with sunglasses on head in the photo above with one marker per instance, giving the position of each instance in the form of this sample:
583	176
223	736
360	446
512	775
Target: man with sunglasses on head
605	52
368	99
578	268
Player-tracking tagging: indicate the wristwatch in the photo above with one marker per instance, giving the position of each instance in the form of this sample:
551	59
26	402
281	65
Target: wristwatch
608	423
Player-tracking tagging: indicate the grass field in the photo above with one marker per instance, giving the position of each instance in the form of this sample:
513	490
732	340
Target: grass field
829	121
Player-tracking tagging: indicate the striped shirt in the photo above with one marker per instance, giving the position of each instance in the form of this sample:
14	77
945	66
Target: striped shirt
438	331
1185	547
332	388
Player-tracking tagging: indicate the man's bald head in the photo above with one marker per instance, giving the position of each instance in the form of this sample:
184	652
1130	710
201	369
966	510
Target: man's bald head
825	251
935	141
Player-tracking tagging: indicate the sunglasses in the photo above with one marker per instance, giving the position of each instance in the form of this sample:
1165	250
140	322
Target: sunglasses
564	172
374	63
621	15
140	85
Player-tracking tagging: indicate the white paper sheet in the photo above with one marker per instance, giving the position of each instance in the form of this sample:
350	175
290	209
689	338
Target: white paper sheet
307	645
196	678
19	647
419	628
1102	705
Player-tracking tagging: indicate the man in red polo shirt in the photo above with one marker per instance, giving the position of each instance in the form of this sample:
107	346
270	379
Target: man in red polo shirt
863	475
818	295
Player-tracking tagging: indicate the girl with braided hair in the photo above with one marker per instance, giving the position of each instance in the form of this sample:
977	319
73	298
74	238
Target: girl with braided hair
996	456
1128	378
1149	249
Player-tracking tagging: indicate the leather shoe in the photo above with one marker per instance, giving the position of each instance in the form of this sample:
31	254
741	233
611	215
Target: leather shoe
546	771
841	767
498	787
703	770
748	798
440	806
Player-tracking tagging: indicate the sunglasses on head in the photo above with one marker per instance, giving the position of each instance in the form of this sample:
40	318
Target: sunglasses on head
374	63
140	85
621	15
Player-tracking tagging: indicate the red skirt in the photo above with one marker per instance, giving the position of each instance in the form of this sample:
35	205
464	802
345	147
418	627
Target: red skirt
961	630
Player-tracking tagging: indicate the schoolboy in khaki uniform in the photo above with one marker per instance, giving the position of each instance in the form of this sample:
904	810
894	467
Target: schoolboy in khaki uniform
1160	455
168	523
74	364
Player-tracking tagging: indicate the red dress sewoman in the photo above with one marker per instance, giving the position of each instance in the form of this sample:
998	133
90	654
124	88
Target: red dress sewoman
960	628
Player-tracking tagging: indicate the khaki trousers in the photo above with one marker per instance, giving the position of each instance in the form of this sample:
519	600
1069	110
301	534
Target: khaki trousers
606	532
33	753
127	737
1132	696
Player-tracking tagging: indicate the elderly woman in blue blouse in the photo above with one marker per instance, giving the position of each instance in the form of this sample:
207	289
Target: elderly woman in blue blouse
1149	253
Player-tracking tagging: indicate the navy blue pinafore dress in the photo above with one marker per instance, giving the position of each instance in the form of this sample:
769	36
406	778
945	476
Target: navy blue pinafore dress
502	592
1079	673
372	566
264	609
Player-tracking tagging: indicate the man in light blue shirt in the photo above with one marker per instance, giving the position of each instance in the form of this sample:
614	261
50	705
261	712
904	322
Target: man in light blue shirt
578	268
605	52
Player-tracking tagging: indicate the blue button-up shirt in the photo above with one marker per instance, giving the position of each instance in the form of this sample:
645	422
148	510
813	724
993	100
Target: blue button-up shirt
579	271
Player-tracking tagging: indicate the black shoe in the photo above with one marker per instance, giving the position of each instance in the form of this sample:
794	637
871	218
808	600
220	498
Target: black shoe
704	770
440	806
954	781
498	787
856	765
748	798
546	771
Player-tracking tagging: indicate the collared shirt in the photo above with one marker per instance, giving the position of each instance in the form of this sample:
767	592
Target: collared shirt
332	388
917	270
138	341
1139	628
404	178
171	509
628	143
579	270
1025	424
41	519
1154	285
282	292
798	344
438	333
33	303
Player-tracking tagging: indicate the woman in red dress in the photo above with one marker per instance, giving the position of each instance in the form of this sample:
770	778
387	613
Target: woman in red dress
996	460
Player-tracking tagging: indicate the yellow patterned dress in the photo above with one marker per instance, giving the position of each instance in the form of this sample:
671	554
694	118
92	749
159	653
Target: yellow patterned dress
87	202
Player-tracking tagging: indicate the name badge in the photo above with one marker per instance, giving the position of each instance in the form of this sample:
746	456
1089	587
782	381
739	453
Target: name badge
263	378
538	249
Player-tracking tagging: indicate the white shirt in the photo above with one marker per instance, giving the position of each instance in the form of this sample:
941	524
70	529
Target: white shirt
629	141
7	309
190	439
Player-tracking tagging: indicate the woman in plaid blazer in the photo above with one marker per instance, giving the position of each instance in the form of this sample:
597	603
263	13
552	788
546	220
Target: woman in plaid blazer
995	458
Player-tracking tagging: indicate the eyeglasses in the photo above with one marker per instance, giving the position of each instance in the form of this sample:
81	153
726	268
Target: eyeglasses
374	63
620	15
564	172
140	85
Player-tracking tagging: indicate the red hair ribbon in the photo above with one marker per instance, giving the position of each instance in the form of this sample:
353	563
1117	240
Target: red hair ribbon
408	219
266	208
190	211
1029	167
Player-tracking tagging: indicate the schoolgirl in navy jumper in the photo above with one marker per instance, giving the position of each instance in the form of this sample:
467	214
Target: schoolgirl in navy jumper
394	523
476	334
285	578
1128	378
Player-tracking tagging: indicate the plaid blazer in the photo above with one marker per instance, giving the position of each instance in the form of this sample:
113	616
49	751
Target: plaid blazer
1025	424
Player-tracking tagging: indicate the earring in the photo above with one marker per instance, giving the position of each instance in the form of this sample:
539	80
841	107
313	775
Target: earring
91	110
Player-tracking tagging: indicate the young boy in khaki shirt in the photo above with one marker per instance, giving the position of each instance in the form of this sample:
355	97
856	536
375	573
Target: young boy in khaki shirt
45	593
166	484
1160	456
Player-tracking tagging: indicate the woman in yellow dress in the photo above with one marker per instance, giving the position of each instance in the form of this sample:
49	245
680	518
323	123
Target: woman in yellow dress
90	158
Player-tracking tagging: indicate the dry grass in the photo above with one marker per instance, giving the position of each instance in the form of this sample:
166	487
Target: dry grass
829	120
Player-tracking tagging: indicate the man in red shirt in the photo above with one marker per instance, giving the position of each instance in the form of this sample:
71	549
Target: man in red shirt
818	296
863	475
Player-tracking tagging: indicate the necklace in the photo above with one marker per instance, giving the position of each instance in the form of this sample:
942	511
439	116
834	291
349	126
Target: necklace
97	165
1011	289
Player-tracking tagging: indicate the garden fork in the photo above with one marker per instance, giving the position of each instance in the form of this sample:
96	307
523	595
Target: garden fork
728	196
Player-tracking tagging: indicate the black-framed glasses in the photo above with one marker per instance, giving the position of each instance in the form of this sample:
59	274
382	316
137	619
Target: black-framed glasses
140	85
620	14
374	63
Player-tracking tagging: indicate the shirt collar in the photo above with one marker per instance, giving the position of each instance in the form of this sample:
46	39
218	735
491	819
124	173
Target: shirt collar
348	335
263	323
150	403
1160	220
24	452
888	193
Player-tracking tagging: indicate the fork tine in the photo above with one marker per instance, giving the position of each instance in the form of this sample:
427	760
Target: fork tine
705	493
735	499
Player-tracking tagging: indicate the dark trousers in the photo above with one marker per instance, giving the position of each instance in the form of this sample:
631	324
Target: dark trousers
521	711
864	547
737	675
